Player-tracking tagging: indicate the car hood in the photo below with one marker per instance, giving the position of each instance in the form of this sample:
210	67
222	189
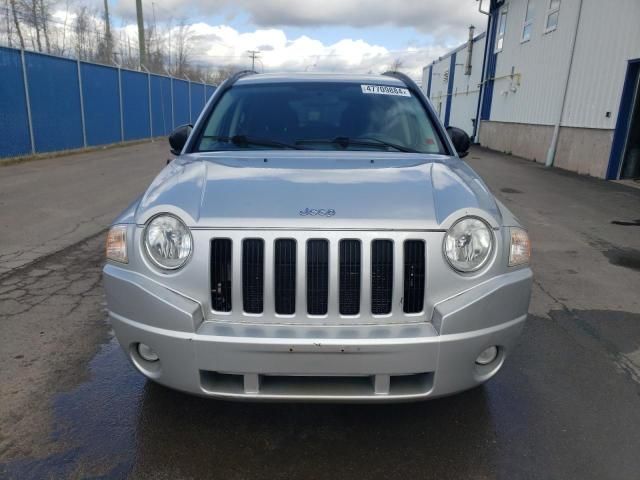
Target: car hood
294	189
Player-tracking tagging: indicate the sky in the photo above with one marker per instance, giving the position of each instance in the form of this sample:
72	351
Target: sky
316	35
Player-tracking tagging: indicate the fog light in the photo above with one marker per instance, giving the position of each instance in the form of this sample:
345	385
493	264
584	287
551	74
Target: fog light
147	353
487	356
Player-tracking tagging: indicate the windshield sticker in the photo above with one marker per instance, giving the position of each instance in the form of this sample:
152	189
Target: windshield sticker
385	90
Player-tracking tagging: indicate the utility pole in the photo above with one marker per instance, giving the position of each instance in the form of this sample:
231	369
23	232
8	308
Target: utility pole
141	46
108	39
253	55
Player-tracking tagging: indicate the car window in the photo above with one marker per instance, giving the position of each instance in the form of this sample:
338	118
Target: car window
312	114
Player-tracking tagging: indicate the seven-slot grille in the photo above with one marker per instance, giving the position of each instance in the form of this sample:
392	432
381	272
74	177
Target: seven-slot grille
281	265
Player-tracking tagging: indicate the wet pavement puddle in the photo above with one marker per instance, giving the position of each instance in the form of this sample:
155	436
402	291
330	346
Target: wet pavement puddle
93	422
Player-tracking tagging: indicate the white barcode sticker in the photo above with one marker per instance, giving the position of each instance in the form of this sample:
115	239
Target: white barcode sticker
385	90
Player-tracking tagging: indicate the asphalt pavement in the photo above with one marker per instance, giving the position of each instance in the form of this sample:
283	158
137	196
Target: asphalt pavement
566	404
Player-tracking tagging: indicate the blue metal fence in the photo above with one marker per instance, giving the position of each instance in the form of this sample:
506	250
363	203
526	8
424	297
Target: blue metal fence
135	105
181	106
101	98
197	101
14	121
55	102
162	123
49	103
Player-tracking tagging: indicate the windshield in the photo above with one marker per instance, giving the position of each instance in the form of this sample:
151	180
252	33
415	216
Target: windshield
319	116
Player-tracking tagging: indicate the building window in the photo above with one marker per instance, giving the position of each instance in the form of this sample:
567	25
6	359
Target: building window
502	28
527	27
553	13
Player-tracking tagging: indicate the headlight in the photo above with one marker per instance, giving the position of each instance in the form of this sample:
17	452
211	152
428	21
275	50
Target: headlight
468	244
116	247
520	251
168	242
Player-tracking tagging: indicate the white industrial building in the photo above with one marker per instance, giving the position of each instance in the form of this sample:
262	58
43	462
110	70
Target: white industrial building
555	81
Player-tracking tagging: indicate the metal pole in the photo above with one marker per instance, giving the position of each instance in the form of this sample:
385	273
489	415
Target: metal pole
150	112
28	102
121	112
149	90
190	112
84	126
173	116
551	153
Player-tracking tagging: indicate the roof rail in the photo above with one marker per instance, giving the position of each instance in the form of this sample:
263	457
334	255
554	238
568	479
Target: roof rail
404	77
238	75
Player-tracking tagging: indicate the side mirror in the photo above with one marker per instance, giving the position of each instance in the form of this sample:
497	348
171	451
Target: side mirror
460	140
179	137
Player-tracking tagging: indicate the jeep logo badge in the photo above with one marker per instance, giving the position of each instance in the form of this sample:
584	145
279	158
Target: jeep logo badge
317	212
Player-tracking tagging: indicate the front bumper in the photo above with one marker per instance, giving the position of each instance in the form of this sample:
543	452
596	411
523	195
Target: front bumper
317	363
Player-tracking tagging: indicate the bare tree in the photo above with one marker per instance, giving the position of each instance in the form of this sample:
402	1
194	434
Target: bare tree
43	19
222	74
183	48
62	45
105	42
396	65
82	30
32	21
14	14
87	33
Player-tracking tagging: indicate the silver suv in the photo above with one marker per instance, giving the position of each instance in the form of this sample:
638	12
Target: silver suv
318	238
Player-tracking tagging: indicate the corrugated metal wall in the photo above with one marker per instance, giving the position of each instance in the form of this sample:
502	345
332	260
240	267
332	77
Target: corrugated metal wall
600	62
65	116
439	84
608	36
463	99
534	95
466	90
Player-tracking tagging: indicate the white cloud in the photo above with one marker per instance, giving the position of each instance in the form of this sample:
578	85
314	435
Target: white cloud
442	24
223	45
436	17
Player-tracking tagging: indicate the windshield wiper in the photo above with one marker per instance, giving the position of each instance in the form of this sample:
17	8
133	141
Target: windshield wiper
245	140
344	142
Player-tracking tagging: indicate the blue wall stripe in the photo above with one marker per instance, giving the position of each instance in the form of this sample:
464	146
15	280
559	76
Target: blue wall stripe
624	118
452	73
492	60
14	122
